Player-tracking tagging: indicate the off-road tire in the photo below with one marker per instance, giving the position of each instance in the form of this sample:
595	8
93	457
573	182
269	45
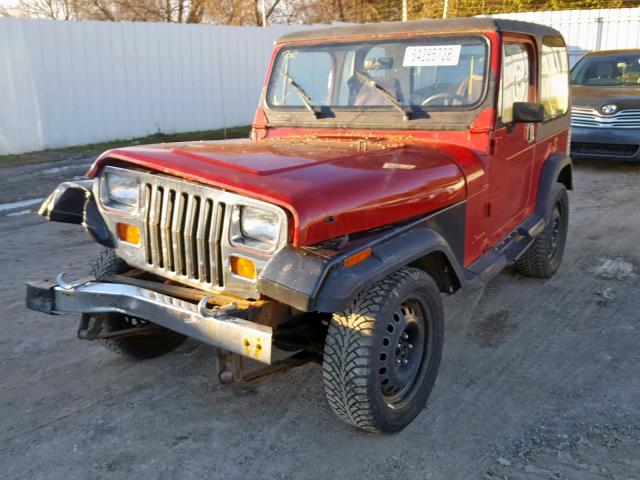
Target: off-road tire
360	351
139	347
542	259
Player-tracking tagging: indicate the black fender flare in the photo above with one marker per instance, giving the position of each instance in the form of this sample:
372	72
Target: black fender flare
311	280
73	202
549	176
342	283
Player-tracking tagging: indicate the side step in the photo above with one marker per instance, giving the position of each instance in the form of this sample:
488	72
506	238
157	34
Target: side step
504	254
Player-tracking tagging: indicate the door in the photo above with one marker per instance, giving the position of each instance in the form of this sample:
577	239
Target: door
513	159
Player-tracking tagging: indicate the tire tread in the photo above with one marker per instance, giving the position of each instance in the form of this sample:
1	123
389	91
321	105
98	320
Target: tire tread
535	261
349	350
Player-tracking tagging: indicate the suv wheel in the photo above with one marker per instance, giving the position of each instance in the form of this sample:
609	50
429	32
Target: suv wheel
382	354
542	259
137	347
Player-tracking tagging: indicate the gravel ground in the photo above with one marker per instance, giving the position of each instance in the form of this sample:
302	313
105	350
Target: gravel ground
539	378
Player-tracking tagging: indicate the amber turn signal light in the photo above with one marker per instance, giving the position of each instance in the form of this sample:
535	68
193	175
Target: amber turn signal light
129	233
357	258
243	267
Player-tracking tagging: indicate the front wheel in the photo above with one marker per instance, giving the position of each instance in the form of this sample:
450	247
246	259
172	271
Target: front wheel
382	354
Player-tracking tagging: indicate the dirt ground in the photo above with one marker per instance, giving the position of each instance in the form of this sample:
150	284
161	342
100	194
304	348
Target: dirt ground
540	379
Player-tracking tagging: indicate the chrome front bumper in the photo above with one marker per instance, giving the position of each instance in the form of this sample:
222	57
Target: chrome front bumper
230	333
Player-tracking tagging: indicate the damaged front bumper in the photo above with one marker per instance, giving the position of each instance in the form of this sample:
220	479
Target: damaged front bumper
214	327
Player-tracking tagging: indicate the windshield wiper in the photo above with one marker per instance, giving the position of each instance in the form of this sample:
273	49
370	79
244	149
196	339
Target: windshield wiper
406	111
306	99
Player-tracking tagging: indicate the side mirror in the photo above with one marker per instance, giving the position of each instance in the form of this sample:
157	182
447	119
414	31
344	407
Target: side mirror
528	112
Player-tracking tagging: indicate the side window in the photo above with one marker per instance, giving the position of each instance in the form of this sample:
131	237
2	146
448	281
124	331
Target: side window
554	81
515	80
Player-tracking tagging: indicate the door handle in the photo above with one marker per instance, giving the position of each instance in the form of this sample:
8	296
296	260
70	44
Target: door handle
531	132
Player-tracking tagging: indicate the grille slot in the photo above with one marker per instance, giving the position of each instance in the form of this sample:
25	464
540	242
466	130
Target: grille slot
217	238
587	117
183	232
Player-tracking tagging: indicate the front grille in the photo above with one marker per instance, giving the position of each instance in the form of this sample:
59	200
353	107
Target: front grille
587	117
604	149
182	232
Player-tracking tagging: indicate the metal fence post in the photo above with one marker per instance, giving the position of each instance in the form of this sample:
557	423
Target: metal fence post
599	29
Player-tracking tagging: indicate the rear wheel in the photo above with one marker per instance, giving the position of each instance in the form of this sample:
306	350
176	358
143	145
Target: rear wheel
542	259
382	354
138	347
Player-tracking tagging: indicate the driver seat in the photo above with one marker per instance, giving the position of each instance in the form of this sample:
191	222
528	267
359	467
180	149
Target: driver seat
470	89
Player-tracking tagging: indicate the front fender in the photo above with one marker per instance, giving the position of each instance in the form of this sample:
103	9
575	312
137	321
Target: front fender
318	280
342	284
73	202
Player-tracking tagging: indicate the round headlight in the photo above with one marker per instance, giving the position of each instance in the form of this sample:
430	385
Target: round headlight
121	191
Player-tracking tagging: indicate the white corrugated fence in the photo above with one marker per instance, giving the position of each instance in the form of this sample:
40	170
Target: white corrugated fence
75	83
584	30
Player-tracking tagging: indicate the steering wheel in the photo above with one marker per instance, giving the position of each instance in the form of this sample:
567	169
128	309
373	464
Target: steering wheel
446	95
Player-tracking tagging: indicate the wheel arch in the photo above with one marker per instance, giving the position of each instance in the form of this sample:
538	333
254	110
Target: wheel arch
437	265
565	177
557	168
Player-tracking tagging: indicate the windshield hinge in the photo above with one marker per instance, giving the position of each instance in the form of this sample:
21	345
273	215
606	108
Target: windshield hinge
479	130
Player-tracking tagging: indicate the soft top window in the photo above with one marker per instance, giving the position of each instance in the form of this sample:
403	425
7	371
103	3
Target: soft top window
554	81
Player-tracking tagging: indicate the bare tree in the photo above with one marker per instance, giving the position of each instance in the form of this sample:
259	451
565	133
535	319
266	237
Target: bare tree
230	12
257	8
54	9
240	12
249	12
196	11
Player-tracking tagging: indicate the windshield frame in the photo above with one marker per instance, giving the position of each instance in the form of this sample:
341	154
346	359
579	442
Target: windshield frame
451	117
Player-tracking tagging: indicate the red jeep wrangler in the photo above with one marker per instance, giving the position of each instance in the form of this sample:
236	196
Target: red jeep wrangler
388	164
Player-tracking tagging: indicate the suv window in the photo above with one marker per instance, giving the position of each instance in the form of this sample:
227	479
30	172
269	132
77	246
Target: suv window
515	79
608	70
554	82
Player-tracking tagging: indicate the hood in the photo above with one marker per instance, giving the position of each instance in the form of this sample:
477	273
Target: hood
625	97
329	187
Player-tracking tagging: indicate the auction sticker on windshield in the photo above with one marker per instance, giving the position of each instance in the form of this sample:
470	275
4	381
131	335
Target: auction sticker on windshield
432	56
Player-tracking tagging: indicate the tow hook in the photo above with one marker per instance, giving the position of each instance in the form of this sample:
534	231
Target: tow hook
216	311
62	283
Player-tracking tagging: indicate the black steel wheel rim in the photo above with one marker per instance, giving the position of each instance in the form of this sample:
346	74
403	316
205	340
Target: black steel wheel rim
556	232
405	352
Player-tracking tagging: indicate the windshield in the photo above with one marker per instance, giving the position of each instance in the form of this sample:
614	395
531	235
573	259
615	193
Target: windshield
607	70
405	75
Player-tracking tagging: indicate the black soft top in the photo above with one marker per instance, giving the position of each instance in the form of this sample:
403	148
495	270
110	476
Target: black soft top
452	25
